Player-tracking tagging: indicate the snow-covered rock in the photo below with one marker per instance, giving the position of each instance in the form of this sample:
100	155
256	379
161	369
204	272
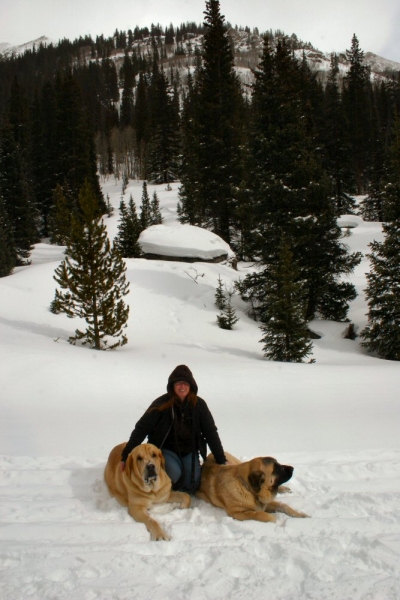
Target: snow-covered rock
183	242
349	221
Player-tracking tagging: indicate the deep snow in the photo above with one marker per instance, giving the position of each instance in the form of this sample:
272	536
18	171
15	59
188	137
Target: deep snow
63	408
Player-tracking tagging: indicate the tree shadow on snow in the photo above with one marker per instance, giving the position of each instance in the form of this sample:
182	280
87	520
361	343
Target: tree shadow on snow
222	350
44	330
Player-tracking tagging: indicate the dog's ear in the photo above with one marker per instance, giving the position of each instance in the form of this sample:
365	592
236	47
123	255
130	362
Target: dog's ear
128	465
256	479
162	460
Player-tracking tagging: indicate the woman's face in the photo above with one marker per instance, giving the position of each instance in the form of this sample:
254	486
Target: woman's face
181	389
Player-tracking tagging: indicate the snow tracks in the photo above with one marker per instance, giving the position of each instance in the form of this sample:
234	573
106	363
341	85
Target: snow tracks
63	537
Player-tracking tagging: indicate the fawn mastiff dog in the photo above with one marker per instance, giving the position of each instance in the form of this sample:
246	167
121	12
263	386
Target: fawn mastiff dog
142	484
246	490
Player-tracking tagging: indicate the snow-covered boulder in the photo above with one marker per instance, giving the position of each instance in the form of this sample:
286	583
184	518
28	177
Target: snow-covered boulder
183	242
349	221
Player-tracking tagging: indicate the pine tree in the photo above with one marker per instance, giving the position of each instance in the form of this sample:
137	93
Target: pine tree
155	212
358	110
382	333
60	218
227	317
44	153
145	208
285	335
142	125
220	295
14	190
93	277
76	158
164	146
127	107
129	228
223	301
336	141
372	207
8	252
109	207
219	129
391	177
125	182
291	190
190	206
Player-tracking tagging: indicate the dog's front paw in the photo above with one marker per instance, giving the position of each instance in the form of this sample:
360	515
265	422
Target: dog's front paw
158	535
185	501
181	498
284	489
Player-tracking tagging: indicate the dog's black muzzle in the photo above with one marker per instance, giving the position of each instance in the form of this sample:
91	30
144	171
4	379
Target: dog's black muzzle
150	473
283	473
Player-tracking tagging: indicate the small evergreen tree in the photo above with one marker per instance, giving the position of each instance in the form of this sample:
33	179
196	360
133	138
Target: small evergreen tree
93	277
227	317
155	213
145	208
371	208
285	336
220	297
125	181
109	207
126	240
382	333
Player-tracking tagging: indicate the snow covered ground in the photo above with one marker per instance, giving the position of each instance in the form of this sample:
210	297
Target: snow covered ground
63	408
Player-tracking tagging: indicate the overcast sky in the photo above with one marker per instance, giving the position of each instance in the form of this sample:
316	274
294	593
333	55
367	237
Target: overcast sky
329	26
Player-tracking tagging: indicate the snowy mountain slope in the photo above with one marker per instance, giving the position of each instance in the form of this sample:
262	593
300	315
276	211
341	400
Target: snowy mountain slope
63	408
8	50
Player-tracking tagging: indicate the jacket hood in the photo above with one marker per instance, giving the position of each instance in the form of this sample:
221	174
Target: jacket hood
181	373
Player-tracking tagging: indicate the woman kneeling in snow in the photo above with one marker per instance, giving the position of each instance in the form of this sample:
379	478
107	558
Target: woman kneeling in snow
181	425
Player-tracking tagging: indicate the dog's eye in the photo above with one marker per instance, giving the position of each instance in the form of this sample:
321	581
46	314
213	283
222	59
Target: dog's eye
154	455
140	458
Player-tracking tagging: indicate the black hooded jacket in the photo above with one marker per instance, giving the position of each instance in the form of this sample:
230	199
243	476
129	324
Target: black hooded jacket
163	427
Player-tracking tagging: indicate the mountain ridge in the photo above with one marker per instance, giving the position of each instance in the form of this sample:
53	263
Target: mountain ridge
247	48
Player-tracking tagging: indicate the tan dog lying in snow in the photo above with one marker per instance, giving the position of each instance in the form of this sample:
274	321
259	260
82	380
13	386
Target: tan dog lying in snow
246	490
142	484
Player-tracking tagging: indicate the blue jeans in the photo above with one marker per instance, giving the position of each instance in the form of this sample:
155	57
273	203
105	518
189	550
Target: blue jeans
179	470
